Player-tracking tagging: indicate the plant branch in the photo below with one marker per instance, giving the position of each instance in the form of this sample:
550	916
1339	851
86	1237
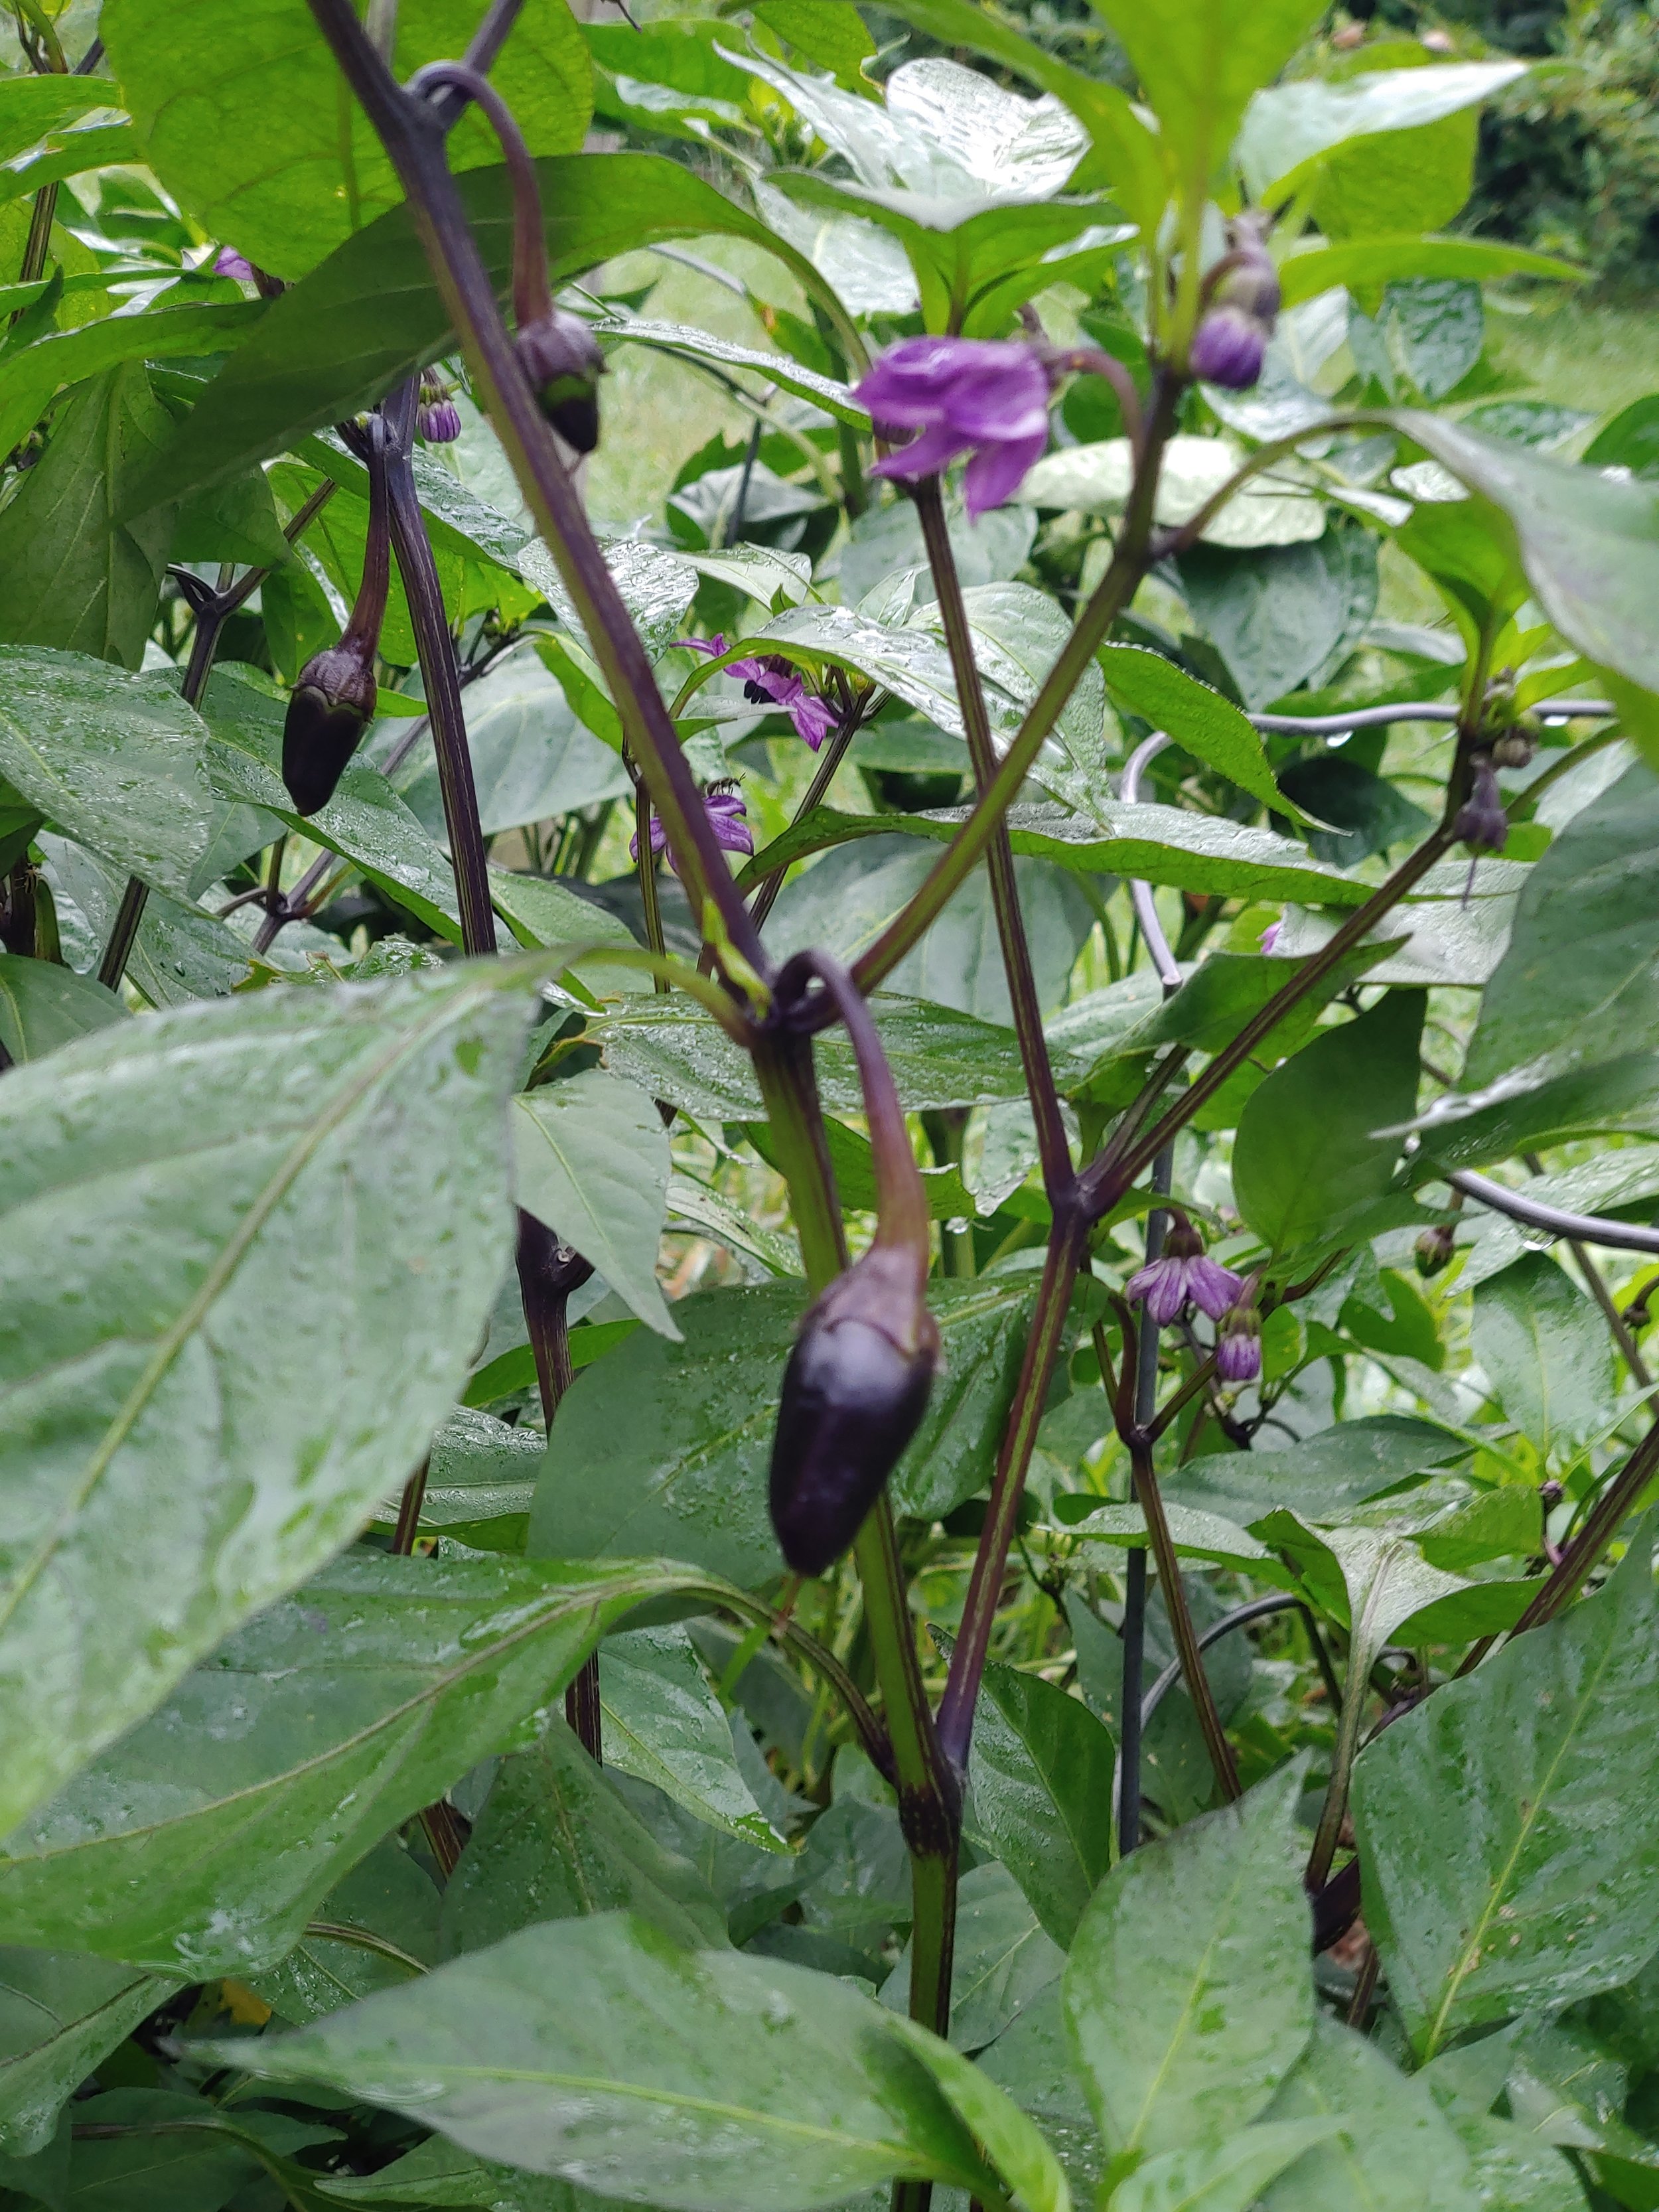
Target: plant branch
412	134
1052	1147
766	891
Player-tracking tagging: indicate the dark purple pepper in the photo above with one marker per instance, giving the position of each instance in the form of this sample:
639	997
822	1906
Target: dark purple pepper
329	709
563	359
854	1391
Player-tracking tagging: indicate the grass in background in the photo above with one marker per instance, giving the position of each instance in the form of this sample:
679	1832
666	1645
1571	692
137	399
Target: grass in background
1598	354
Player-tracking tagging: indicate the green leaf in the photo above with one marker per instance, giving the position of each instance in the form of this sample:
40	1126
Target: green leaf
1545	1352
206	1840
682	338
592	1163
1324	1477
1589	544
1199	720
370	313
531	759
556	1838
30	374
1125	147
60	2013
1289	128
114	760
364	822
438	2173
31	107
674	1050
665	1725
1199	62
1286	615
247	123
1366	262
1001	1959
712	2082
1208	1929
843	905
1228	2177
1096	480
1200	853
1394	2151
1307	1157
1017	2149
827	32
75	571
375	1930
181	954
163	2152
665	1447
1041	1778
355	1228
43	1005
1387	1584
1580	981
1507	1861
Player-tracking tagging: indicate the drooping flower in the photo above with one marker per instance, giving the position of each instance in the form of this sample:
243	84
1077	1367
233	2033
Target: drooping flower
1183	1274
727	818
1481	820
984	397
228	262
770	680
1433	1249
1238	1344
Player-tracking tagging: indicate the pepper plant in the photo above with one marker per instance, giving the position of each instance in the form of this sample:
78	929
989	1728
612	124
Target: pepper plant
823	1324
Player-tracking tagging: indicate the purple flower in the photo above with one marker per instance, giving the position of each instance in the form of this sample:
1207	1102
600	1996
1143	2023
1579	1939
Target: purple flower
770	680
1238	1345
1481	822
726	818
1270	936
1229	348
984	397
229	263
1181	1274
714	646
439	422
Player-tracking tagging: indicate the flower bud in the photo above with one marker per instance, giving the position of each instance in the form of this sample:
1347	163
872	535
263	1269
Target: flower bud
1433	1251
1481	822
854	1394
331	706
1238	1345
1550	1494
563	359
1515	745
1228	350
438	421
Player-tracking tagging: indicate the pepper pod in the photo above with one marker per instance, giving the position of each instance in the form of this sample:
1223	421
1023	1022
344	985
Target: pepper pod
854	1391
859	1376
334	701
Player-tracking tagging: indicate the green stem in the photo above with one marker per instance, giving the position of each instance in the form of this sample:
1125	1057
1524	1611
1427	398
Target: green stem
1151	1499
1354	1693
944	1131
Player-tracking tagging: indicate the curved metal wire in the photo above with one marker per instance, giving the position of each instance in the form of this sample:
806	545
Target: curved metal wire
1414	710
1579	1228
1257	1609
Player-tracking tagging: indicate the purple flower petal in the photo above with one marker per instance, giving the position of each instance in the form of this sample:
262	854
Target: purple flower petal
229	263
1238	1356
935	449
1211	1287
714	646
1162	1284
996	472
813	719
1270	936
726	813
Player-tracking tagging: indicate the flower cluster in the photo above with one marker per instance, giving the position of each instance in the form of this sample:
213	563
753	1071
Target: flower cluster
772	681
728	817
1183	1275
989	397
